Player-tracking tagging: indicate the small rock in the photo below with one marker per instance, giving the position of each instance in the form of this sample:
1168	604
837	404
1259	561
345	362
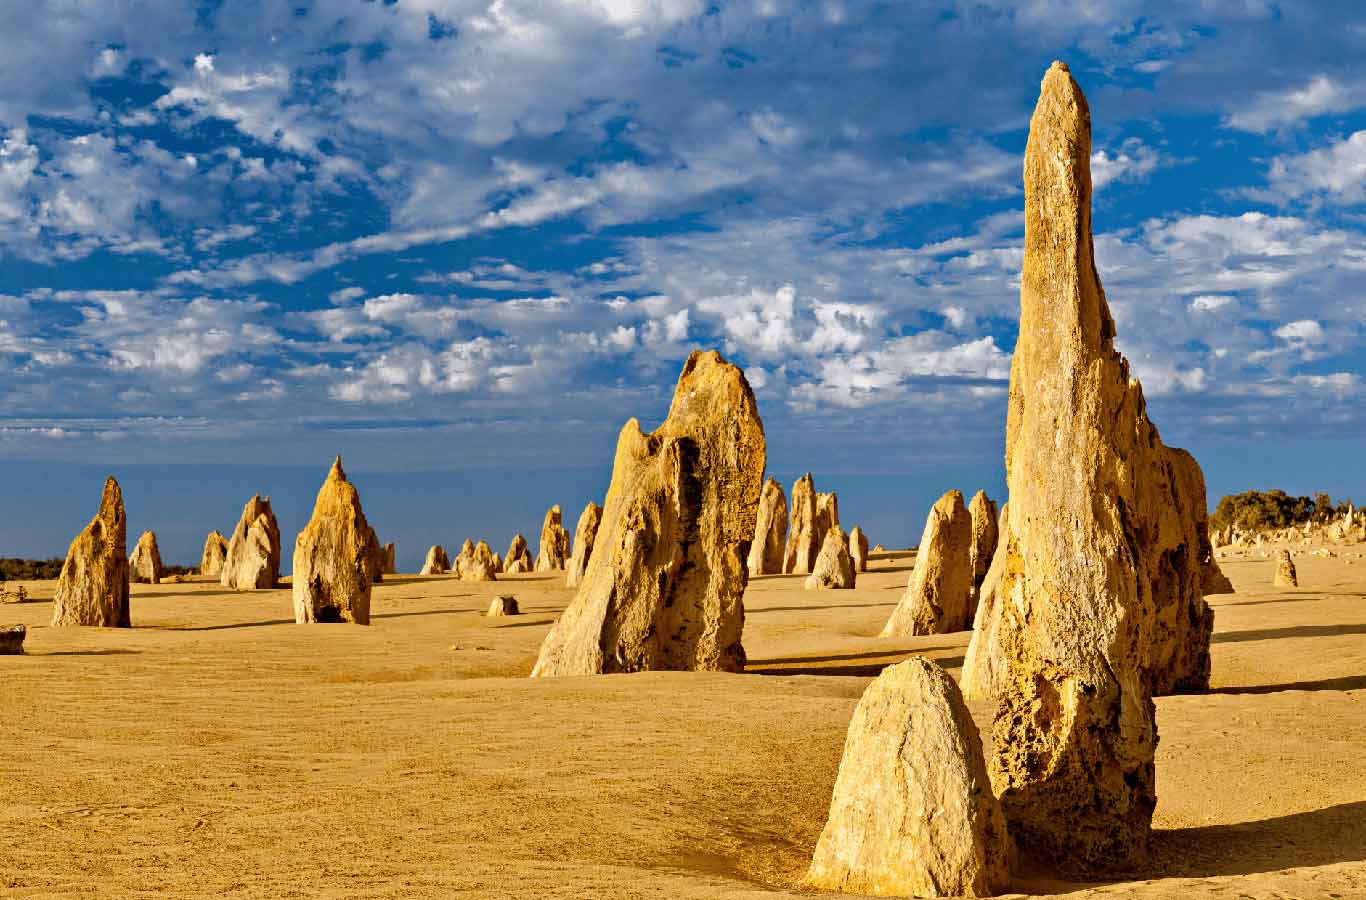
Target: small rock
12	639
504	605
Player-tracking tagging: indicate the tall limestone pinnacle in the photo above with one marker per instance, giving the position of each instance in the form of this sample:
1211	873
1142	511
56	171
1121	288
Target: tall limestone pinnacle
93	586
664	584
1102	559
332	557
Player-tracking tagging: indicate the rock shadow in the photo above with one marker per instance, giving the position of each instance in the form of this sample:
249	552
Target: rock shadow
1320	837
1292	631
1346	683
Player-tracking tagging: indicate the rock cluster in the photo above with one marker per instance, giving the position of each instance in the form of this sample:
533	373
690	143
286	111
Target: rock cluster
144	566
811	516
834	568
554	549
333	557
214	556
437	562
939	594
913	812
475	563
664	586
518	558
1099	600
584	535
93	586
1286	576
858	549
254	554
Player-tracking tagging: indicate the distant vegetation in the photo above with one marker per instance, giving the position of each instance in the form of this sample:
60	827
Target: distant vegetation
43	569
1265	510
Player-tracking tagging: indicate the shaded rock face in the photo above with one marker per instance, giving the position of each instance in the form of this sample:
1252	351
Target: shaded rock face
390	567
437	562
858	549
938	596
554	549
1101	577
982	663
518	558
834	568
497	564
254	550
985	531
374	558
827	515
803	542
12	639
333	557
912	813
503	605
93	586
1191	493
1286	575
144	566
664	585
214	556
770	532
584	535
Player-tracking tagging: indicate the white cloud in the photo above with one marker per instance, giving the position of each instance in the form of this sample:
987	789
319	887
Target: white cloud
1306	330
1335	173
1133	161
1272	109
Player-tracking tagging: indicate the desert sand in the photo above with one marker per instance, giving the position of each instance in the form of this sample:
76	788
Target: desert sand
218	749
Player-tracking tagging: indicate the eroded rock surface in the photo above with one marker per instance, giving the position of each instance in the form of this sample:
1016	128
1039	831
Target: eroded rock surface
93	586
333	557
664	584
1286	576
913	813
834	568
437	562
858	549
254	554
214	556
938	595
584	535
770	532
803	545
553	551
144	566
985	531
518	558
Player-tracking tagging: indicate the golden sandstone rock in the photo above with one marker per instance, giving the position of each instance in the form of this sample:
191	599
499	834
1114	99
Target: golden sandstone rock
554	548
145	564
518	557
584	535
331	581
1101	554
985	532
982	663
664	586
770	532
858	549
912	813
939	592
93	586
254	551
834	568
437	562
389	567
811	515
1285	571
215	554
476	563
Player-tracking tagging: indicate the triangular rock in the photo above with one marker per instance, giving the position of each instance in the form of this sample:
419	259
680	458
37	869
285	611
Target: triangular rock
770	532
332	557
93	586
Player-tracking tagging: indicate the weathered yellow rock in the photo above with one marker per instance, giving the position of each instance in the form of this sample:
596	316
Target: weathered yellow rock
390	567
665	582
803	545
834	568
518	558
332	557
1191	484
858	549
477	565
93	586
912	813
503	605
374	558
985	532
437	562
584	535
1286	576
939	594
214	556
983	662
1101	577
770	532
144	565
254	551
554	549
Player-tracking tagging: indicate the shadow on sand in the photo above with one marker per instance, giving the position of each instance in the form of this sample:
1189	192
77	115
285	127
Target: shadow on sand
1334	834
1348	683
751	611
111	651
1293	631
867	670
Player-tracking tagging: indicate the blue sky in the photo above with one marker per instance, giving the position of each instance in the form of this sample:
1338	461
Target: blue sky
475	237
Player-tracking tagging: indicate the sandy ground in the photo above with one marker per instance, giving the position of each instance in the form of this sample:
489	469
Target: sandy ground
217	749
